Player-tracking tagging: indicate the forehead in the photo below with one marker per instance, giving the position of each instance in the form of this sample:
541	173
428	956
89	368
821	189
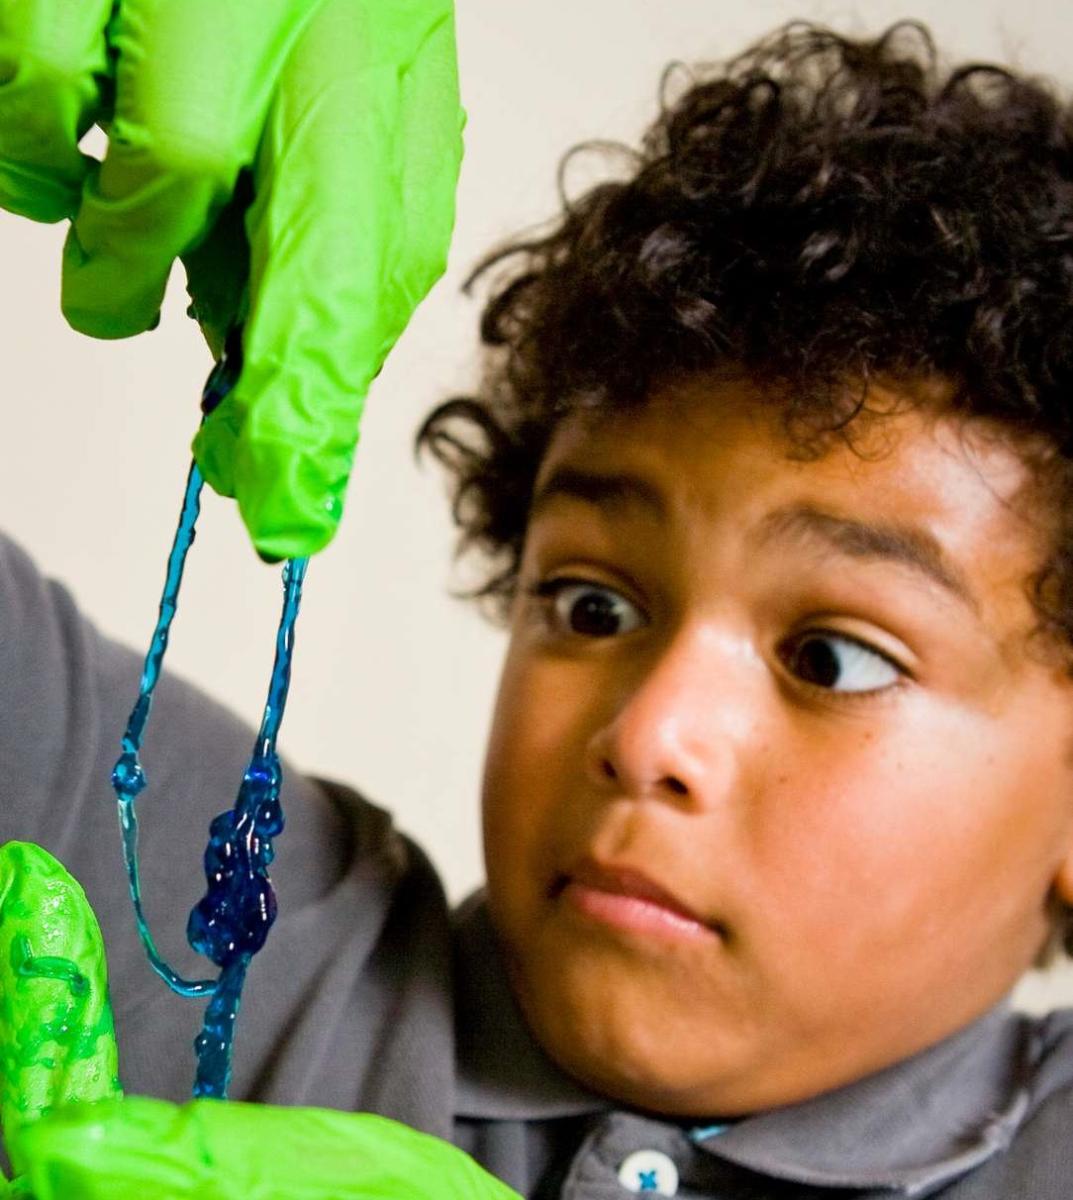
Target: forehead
712	429
714	452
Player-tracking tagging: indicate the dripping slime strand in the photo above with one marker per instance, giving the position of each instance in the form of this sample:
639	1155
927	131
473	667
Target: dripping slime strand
230	924
128	775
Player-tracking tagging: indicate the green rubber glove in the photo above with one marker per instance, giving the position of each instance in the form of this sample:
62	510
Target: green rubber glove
71	1135
137	1148
300	156
57	1044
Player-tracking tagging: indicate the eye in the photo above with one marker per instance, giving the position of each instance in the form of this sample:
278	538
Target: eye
587	609
840	663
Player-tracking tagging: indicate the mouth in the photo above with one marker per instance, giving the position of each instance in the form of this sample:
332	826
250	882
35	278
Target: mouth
628	899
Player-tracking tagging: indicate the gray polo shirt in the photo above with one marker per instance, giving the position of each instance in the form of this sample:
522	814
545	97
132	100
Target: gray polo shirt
371	995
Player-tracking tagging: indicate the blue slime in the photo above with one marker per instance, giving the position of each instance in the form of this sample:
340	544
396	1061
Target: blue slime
230	923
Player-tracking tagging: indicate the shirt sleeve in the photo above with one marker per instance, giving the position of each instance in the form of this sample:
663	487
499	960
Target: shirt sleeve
348	1004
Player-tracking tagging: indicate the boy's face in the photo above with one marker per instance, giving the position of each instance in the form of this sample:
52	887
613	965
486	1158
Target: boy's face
755	684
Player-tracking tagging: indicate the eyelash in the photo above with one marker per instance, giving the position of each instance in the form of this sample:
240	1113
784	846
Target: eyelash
873	694
547	591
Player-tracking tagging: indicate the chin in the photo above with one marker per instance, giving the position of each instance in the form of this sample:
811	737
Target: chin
639	1083
618	1044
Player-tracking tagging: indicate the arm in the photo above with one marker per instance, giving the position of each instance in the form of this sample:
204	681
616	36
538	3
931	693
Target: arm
67	694
349	1003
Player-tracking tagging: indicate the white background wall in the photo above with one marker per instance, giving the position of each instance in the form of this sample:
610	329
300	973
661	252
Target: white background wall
394	680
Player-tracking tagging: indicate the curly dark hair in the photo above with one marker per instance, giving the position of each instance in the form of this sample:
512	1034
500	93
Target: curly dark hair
816	213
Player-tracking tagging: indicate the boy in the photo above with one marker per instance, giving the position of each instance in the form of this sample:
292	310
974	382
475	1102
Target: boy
778	800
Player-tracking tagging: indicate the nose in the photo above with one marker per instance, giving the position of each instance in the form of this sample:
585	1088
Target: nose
681	722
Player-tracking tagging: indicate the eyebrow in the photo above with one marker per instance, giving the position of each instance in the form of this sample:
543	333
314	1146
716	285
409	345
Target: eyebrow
908	545
876	541
616	491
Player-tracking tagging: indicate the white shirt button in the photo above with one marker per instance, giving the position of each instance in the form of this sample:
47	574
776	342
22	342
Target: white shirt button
650	1173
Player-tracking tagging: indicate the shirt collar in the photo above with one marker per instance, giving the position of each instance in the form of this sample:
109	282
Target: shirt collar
908	1128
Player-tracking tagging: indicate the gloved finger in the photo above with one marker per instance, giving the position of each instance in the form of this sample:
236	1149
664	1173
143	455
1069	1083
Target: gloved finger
193	83
140	1147
57	1042
18	1189
349	227
53	59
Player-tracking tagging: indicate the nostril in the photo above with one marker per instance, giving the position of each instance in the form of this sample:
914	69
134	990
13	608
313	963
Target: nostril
676	786
558	886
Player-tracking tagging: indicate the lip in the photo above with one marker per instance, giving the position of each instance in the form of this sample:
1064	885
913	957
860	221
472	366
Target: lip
626	897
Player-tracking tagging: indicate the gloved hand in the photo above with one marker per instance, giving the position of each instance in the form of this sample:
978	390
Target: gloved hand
136	1148
299	155
71	1135
57	1044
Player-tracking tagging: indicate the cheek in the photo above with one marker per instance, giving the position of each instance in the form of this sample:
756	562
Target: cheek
541	723
948	824
531	756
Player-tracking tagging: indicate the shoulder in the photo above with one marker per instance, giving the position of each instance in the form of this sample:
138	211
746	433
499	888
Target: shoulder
369	853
